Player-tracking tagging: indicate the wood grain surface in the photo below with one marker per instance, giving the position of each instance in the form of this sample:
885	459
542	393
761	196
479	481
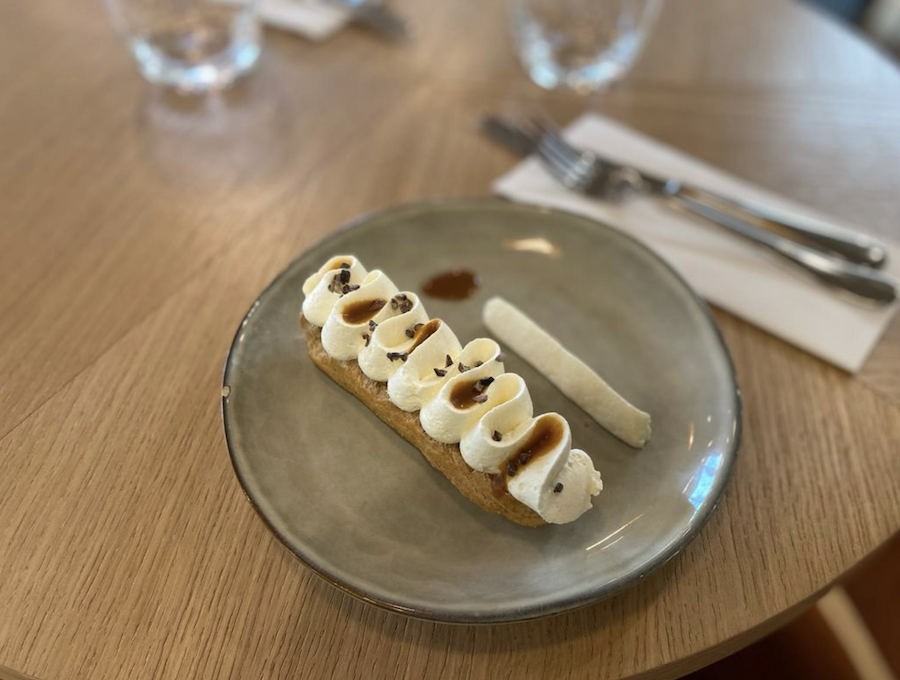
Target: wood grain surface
137	227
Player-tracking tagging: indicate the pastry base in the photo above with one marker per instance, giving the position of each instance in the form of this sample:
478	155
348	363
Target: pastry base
474	485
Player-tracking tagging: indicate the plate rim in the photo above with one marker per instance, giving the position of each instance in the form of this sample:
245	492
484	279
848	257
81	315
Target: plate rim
507	615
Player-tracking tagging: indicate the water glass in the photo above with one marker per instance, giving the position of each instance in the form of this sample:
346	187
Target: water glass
580	44
192	45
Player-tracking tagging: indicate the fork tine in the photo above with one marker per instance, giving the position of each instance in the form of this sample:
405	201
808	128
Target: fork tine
547	137
556	171
574	154
567	164
580	169
565	171
551	132
580	166
547	148
571	155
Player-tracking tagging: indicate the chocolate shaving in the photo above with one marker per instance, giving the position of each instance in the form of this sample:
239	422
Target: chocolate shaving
372	325
512	468
479	363
401	302
393	356
344	275
367	338
417	327
352	286
558	488
440	372
345	288
480	398
496	436
483	383
448	362
345	265
462	367
524	457
404	356
410	333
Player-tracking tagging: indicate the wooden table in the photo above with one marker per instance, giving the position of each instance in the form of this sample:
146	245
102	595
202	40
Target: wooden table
136	228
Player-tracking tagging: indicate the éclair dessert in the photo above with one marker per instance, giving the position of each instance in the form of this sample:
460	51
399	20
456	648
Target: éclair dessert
456	404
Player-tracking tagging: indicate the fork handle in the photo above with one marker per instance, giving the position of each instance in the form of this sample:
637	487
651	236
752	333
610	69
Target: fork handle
855	278
855	247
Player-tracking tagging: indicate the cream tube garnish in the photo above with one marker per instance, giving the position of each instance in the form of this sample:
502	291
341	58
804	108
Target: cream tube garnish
463	394
571	375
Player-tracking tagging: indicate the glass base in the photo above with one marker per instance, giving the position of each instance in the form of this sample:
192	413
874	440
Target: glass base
200	57
594	72
598	76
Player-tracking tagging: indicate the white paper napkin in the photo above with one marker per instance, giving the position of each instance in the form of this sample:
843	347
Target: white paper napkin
728	271
310	18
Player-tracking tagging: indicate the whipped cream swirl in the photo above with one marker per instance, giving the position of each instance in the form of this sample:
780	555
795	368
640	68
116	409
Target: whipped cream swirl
463	394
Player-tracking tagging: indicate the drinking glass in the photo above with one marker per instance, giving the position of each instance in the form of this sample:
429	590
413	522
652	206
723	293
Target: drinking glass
580	44
192	45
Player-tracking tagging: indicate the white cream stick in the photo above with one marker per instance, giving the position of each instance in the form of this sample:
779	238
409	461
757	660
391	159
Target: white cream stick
570	374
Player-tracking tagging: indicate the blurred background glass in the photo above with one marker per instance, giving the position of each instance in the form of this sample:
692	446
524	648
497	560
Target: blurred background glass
580	44
192	45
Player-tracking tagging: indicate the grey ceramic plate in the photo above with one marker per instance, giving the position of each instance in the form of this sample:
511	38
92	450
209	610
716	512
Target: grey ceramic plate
362	508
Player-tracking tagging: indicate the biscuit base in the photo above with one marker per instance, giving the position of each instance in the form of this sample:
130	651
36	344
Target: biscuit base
474	485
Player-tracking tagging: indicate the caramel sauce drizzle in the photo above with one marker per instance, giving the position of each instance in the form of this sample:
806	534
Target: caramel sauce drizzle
361	311
546	435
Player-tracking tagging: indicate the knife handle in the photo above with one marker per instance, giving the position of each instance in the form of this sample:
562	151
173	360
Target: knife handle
861	280
852	246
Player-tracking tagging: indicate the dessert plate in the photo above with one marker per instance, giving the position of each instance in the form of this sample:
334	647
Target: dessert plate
364	510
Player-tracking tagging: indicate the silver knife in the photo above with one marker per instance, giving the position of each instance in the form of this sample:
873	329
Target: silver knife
860	279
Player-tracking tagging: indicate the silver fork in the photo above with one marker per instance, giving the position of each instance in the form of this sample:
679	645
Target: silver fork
584	172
